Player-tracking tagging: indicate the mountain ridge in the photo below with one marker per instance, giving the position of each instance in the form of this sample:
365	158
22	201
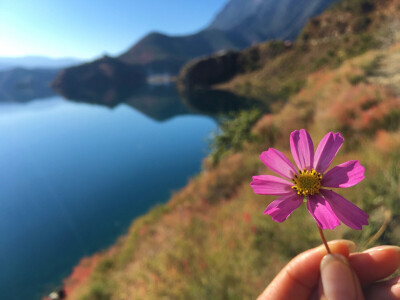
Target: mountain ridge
104	78
158	53
262	20
37	61
345	30
166	54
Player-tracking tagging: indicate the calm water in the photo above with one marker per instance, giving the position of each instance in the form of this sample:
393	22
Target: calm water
74	175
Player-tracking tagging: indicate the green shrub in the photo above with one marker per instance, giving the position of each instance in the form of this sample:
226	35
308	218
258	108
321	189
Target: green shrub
365	42
381	199
233	132
356	79
98	291
291	88
105	265
370	67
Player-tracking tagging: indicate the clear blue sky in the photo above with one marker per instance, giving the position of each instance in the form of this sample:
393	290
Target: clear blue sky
90	28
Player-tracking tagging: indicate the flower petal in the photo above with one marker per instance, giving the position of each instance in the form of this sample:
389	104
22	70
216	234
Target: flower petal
322	212
271	185
278	162
280	209
327	149
347	212
302	149
344	175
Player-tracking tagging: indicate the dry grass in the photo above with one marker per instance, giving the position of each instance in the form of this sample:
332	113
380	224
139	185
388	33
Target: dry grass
212	241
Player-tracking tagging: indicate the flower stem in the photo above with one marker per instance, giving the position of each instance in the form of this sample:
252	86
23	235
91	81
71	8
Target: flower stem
324	240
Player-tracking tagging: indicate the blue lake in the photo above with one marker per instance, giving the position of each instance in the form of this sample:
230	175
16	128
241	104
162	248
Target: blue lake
74	175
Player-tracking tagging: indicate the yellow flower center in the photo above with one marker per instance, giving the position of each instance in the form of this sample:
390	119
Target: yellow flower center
307	182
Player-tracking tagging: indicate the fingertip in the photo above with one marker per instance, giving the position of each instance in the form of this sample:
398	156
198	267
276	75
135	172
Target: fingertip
300	276
343	247
338	280
387	253
384	248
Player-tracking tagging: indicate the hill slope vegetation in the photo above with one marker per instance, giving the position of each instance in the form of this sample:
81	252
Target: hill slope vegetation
212	241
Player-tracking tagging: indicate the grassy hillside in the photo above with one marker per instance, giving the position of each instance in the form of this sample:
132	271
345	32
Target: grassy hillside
274	71
211	240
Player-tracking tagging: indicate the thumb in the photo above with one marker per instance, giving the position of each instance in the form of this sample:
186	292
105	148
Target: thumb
338	279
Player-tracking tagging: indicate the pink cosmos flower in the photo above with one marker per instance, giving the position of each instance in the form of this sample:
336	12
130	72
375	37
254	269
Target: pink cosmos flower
310	181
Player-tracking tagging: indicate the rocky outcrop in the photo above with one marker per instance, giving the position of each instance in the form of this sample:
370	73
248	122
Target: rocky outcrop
207	71
345	30
99	79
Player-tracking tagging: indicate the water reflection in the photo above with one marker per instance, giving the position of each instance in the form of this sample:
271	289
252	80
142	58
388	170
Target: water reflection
73	177
159	102
217	102
163	102
88	171
23	85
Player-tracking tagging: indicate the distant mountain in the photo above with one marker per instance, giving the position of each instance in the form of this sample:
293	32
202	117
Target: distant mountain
236	12
239	24
274	70
31	62
102	78
259	20
161	53
22	85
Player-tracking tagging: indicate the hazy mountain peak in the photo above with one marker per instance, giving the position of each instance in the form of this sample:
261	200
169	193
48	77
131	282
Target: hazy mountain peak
258	20
235	12
36	61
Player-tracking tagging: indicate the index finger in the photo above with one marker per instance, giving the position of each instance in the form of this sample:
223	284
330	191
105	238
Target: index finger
376	263
300	276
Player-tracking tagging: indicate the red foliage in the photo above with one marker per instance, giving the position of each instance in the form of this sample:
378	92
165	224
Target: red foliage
364	108
80	273
246	217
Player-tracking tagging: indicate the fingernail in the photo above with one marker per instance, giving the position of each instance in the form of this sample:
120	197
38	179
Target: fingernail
337	278
350	244
385	247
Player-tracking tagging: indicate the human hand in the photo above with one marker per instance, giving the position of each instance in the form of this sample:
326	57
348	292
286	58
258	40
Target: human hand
315	275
